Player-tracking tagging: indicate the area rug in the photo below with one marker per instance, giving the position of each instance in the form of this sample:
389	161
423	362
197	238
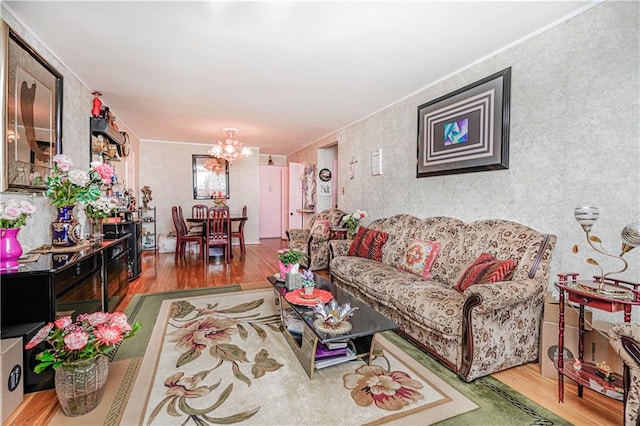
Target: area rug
222	359
499	404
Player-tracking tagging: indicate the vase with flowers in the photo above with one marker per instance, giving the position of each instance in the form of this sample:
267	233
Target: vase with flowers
352	221
219	199
65	188
308	282
77	352
289	259
97	211
13	215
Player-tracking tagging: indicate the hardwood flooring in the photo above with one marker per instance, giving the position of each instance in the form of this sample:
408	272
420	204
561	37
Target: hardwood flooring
161	273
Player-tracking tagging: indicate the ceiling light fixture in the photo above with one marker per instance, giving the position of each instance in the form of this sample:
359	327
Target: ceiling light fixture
231	149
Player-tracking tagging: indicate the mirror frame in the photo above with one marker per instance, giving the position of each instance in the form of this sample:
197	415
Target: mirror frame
12	49
198	165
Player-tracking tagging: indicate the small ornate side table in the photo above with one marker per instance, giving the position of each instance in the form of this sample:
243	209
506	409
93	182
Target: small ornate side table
614	296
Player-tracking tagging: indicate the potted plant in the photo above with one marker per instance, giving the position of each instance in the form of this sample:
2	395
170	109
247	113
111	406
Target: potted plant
13	215
65	188
288	259
352	221
77	352
308	282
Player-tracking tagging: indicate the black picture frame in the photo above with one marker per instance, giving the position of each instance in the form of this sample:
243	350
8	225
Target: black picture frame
466	130
210	176
325	175
31	124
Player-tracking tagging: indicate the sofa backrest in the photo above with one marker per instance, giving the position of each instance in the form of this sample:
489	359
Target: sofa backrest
505	239
462	243
403	229
332	215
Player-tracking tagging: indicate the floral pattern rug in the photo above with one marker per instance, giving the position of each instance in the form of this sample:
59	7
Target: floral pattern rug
222	359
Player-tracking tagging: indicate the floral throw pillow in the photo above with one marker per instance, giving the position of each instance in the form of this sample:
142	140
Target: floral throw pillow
320	227
368	243
419	257
486	269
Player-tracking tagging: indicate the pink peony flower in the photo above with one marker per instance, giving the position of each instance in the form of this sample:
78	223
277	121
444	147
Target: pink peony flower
76	341
98	318
42	334
105	171
63	322
108	335
119	320
11	213
63	162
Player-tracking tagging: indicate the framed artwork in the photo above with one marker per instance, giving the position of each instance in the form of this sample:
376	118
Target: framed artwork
210	177
325	175
466	130
325	189
32	108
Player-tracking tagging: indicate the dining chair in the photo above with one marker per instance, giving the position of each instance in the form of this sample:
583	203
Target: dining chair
182	235
239	233
217	231
198	211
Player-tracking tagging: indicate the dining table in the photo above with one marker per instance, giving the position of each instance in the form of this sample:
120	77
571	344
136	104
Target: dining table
232	218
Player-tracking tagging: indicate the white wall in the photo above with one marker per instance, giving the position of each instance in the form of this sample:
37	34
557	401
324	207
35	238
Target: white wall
574	138
166	167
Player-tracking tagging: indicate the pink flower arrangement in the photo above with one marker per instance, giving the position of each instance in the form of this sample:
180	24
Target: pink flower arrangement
86	337
67	186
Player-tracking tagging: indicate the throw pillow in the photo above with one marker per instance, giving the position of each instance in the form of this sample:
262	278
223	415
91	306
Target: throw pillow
368	243
419	257
320	227
486	269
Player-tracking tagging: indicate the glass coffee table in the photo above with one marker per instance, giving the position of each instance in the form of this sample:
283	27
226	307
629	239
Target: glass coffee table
304	341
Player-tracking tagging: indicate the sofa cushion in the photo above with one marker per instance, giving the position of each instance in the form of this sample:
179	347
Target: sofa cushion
419	257
320	227
368	243
486	269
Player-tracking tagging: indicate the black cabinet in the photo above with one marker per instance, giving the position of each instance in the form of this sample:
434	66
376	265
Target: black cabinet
134	231
70	283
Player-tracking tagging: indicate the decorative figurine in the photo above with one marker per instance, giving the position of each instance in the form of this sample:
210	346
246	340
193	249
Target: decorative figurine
577	365
146	196
97	104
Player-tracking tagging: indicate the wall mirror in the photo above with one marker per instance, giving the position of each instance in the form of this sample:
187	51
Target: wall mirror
210	177
32	107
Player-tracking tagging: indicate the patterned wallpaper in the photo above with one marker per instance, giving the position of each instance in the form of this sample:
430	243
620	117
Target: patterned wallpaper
76	110
574	138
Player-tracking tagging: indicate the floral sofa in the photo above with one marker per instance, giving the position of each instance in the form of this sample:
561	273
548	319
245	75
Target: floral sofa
624	337
314	240
483	329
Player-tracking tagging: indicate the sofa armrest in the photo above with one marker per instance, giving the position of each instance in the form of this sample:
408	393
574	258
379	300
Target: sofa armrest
297	234
318	237
339	247
502	294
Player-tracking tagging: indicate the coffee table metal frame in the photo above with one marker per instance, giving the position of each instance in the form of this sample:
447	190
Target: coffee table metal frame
366	322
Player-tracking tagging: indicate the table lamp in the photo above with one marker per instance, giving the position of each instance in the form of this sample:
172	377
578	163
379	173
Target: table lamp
587	215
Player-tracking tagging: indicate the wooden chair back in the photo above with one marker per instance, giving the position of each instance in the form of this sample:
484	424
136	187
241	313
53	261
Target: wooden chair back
199	211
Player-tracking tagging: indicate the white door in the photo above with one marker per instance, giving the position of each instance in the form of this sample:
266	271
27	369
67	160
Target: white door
270	201
296	172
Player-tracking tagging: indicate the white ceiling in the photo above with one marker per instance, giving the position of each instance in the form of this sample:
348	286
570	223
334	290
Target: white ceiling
285	73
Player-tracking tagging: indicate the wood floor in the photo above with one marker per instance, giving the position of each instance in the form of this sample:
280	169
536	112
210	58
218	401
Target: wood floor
161	273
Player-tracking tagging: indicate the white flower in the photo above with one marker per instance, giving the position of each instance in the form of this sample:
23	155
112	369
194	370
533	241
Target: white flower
79	177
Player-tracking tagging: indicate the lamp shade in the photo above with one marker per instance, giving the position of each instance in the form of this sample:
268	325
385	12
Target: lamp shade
586	215
630	236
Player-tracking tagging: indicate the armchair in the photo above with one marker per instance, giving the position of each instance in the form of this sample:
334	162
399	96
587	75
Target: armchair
314	240
625	339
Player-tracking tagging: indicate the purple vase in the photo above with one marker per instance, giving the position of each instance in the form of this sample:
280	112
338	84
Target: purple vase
10	248
65	230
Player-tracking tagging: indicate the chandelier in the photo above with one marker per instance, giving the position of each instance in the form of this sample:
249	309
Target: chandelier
230	149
